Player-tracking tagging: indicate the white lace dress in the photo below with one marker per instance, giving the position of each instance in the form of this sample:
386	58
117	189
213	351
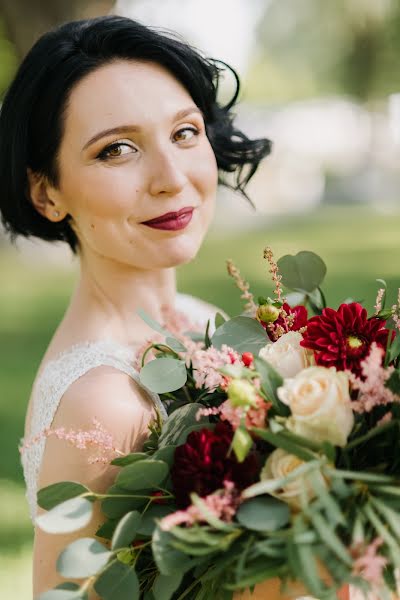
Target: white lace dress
59	373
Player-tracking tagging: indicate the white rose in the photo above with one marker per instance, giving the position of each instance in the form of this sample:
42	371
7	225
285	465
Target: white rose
320	404
286	355
280	464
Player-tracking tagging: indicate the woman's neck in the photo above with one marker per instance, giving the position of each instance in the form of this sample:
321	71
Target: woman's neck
106	300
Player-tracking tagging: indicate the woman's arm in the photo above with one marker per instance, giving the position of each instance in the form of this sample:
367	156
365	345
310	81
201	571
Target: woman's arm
124	410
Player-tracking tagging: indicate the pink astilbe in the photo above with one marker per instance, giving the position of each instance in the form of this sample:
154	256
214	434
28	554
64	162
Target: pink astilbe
255	416
368	564
82	439
396	312
207	362
378	301
276	278
250	306
222	504
372	390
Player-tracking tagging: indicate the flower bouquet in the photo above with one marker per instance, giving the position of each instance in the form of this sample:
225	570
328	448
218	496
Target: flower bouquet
280	457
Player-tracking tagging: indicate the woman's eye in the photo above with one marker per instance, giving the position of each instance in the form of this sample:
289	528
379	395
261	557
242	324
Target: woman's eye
186	134
116	150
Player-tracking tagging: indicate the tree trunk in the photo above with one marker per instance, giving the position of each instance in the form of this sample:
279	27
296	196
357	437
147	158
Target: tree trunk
26	20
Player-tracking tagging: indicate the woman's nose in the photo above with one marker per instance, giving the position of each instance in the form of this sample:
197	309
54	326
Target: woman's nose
166	175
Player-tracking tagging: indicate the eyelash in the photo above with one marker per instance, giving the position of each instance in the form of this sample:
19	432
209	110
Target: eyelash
103	155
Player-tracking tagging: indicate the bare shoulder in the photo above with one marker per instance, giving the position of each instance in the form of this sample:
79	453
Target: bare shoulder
112	399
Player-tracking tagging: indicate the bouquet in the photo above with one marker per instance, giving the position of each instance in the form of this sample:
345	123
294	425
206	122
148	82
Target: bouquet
280	456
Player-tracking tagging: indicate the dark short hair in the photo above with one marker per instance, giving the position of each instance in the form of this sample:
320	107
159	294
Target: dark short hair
32	115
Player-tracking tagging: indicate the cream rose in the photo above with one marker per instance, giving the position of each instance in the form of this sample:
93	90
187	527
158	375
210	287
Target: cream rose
280	464
286	355
320	405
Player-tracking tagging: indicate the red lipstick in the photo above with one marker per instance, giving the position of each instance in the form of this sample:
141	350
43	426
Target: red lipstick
172	221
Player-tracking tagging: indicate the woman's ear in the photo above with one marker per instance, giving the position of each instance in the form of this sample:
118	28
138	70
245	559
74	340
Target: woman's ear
42	198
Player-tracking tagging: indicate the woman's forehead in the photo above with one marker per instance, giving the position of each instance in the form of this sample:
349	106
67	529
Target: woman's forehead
134	92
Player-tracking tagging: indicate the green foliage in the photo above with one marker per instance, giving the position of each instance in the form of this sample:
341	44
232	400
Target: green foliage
66	517
118	581
142	474
263	514
50	496
243	334
163	375
82	558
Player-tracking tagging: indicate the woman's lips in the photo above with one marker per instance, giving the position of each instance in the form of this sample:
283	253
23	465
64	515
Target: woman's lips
172	221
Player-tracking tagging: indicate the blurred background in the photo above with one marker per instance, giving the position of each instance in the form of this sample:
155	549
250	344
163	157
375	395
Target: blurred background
318	78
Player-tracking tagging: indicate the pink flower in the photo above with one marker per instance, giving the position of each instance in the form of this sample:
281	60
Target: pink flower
223	504
368	563
371	387
207	362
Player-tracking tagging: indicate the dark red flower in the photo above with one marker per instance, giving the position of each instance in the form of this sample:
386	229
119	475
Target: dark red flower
342	338
201	464
296	319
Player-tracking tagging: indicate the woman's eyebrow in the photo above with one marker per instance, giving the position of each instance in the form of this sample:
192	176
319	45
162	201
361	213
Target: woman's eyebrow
129	128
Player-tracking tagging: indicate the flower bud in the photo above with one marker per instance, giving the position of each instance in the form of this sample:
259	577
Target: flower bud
267	313
247	359
241	393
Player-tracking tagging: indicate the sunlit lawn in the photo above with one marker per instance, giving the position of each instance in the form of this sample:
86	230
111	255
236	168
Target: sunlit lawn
358	246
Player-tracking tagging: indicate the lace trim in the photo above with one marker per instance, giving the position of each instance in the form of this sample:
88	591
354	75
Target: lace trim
57	375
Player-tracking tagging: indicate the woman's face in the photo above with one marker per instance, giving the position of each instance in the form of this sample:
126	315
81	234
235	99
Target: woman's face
134	150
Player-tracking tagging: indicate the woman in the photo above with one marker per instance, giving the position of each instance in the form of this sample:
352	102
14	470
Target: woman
112	140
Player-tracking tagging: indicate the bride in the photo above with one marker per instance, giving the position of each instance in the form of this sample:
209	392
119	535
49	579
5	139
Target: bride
112	140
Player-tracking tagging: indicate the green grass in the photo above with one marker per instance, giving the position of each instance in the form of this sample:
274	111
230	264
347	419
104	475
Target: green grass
358	246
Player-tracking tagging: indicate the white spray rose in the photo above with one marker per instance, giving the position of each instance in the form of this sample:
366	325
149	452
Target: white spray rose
280	464
320	405
286	355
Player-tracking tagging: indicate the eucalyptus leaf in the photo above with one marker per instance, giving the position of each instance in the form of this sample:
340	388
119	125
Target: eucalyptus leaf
243	334
166	453
106	529
165	585
177	422
51	495
126	529
123	461
66	517
175	344
263	514
163	375
152	323
82	558
148	521
117	507
62	594
219	320
142	474
118	581
303	272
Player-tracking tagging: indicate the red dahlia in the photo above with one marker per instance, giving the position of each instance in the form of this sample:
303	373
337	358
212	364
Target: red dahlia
201	464
342	338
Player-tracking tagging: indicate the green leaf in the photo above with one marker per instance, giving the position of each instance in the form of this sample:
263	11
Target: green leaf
118	581
148	522
393	383
308	570
284	442
243	334
177	422
163	375
263	514
175	344
303	272
165	585
317	300
329	537
82	558
152	323
54	494
270	382
66	517
166	454
382	531
219	320
394	351
241	443
115	508
126	529
106	530
123	461
167	558
142	474
207	340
